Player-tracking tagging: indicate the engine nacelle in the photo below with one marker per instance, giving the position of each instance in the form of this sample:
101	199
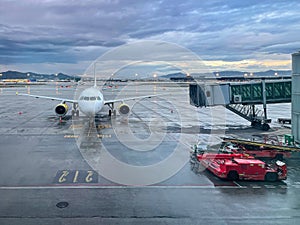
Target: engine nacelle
124	109
61	109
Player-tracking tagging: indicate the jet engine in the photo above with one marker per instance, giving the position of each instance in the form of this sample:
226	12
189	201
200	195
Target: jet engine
124	109
61	109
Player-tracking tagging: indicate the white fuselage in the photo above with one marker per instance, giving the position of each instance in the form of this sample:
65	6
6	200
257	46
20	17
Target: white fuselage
91	101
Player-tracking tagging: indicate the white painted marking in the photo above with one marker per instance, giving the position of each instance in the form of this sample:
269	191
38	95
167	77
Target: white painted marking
256	187
113	187
236	183
269	186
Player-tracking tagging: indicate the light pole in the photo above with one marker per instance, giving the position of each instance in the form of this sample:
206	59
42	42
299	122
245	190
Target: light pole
155	76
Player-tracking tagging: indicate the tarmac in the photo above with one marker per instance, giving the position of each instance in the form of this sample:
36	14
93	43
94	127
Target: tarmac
131	170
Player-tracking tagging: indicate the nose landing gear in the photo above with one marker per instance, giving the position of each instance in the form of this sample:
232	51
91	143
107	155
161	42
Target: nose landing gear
75	110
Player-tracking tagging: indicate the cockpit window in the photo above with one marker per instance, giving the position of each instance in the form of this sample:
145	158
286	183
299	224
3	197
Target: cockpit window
92	98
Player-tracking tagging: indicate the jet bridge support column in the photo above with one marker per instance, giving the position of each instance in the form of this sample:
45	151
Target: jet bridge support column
264	98
265	126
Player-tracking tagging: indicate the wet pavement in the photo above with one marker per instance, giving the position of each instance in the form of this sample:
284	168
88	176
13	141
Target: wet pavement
128	170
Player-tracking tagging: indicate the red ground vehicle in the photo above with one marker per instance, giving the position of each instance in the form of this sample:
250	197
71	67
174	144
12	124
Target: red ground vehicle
240	166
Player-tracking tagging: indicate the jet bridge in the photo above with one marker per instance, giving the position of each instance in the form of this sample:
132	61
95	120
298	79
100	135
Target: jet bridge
242	97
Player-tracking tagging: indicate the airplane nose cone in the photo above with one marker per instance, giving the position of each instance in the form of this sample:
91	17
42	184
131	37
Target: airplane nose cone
90	109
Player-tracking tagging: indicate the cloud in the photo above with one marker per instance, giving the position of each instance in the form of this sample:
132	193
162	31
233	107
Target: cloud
73	32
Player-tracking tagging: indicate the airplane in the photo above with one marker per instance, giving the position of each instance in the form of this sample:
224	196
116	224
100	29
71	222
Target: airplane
90	102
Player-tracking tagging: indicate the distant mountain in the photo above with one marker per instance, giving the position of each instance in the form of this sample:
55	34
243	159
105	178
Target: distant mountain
259	74
36	76
232	74
174	75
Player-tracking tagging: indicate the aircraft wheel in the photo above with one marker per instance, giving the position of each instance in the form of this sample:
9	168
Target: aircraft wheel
255	124
265	127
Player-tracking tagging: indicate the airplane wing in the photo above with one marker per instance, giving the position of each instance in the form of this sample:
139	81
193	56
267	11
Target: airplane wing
131	98
51	98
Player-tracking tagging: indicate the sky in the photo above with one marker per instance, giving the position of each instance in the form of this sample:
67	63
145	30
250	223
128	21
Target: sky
54	36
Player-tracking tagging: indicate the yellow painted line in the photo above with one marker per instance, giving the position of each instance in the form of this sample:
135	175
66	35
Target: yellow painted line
71	136
76	126
101	126
104	135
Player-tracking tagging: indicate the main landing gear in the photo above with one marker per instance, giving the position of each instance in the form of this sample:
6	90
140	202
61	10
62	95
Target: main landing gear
112	111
